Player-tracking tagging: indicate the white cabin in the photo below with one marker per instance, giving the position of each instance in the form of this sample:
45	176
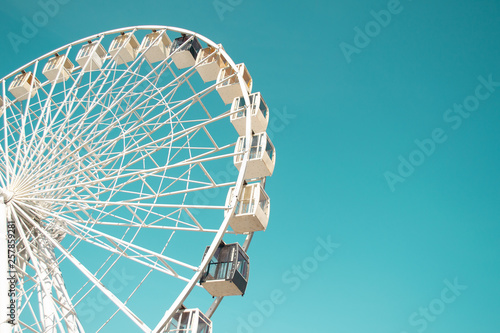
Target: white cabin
252	209
58	68
227	273
184	51
189	321
155	46
262	156
22	85
228	85
259	114
124	48
209	62
91	56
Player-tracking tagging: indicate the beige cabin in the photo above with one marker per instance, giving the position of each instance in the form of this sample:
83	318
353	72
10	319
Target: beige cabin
209	63
24	86
262	156
155	46
252	209
91	56
259	114
124	48
228	85
189	321
59	68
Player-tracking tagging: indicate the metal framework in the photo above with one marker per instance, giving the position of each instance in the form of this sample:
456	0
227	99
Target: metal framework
122	167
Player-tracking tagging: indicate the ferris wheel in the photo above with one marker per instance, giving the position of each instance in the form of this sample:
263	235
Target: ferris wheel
132	179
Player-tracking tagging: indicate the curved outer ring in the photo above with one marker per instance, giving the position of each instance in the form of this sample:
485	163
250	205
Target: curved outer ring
239	182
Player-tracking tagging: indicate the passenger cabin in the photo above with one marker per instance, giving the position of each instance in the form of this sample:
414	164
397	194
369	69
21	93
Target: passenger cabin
228	85
259	114
59	68
1	106
209	62
184	51
91	56
23	84
252	209
227	272
155	46
124	48
262	156
189	321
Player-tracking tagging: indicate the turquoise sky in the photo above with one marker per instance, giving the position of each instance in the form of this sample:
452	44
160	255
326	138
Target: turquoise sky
385	198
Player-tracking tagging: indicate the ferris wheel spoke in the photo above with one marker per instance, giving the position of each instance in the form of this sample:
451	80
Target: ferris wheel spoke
22	323
24	117
155	224
100	188
146	172
83	144
185	132
44	113
87	93
194	225
197	97
99	203
119	244
86	272
129	251
3	170
133	256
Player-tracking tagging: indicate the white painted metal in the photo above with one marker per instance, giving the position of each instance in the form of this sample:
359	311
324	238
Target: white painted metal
82	156
85	271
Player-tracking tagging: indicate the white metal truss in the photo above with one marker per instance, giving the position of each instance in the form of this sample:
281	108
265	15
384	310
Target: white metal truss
116	168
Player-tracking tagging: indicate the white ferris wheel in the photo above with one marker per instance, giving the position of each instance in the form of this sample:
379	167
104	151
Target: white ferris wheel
132	174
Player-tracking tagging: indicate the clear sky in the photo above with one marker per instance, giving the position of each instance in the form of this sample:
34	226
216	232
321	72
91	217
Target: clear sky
385	198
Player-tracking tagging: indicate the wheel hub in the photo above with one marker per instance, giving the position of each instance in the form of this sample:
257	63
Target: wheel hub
6	195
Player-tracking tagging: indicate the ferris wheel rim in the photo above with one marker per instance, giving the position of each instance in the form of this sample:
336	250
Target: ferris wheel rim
240	180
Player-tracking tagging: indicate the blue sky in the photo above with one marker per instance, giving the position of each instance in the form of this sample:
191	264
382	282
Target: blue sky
385	215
